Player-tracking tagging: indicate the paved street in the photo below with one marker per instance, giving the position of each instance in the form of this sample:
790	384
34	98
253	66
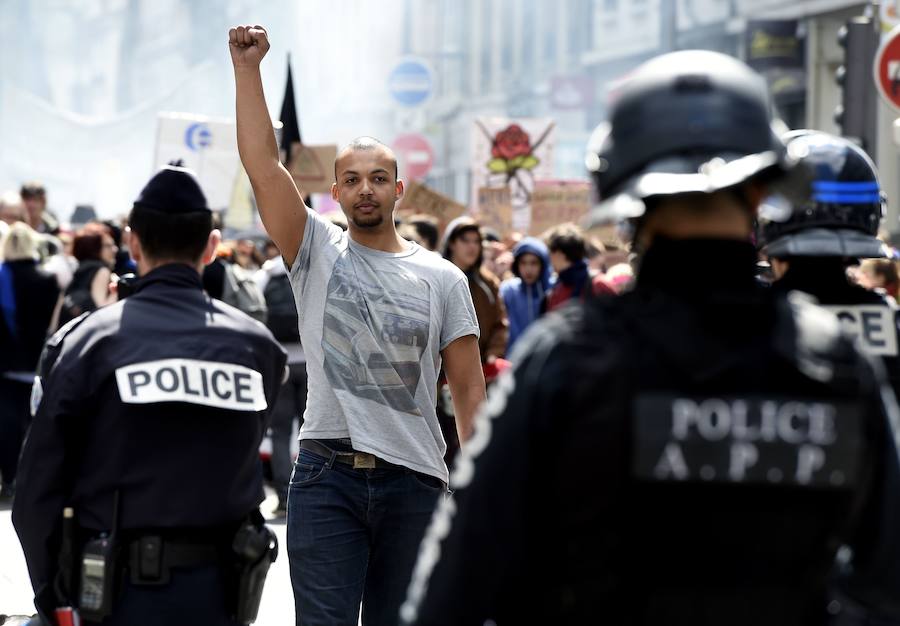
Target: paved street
15	588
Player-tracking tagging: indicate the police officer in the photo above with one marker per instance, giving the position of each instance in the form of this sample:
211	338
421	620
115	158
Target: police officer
140	478
693	451
811	246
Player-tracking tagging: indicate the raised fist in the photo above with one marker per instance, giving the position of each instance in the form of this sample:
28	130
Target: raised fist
248	45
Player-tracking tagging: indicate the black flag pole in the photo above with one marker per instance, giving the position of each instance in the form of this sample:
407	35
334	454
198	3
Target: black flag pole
290	131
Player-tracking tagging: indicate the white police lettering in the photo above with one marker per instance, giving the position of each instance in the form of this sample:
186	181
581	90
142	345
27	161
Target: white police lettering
210	383
873	327
796	441
807	425
714	419
672	463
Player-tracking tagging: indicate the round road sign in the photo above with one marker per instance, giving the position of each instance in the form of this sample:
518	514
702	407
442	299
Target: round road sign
415	155
886	68
411	82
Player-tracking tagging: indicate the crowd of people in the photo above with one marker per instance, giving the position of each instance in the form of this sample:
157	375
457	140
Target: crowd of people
513	280
679	392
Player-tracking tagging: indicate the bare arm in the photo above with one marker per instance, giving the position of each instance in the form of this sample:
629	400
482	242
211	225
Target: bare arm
280	204
100	288
462	366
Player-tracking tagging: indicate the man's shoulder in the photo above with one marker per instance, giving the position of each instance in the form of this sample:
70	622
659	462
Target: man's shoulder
75	340
245	327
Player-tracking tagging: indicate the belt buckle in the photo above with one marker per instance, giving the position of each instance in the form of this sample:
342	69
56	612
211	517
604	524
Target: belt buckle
363	460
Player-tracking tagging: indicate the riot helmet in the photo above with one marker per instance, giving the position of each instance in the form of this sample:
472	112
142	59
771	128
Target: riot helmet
842	214
692	121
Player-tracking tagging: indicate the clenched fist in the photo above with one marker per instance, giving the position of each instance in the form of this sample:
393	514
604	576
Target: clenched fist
248	45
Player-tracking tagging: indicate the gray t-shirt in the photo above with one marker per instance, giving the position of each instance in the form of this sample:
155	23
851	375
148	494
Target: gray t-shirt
373	324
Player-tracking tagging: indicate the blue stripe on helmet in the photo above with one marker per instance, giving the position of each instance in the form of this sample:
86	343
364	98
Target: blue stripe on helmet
844	187
848	198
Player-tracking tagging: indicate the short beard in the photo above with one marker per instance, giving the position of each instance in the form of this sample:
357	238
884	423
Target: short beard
373	220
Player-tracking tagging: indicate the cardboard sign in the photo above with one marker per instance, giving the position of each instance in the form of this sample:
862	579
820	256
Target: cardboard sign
312	167
417	198
495	209
555	203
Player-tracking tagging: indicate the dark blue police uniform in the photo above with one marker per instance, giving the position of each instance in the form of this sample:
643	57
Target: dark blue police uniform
836	226
149	415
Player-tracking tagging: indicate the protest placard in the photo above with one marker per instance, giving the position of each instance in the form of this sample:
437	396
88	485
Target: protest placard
556	202
312	167
495	209
417	198
512	153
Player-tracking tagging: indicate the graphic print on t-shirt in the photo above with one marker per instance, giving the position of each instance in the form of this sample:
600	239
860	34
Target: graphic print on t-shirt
376	329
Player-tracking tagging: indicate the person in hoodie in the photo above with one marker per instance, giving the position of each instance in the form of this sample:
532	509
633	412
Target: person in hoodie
568	252
462	245
523	294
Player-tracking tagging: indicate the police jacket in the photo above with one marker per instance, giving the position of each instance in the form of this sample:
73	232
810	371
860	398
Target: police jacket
162	397
865	314
692	452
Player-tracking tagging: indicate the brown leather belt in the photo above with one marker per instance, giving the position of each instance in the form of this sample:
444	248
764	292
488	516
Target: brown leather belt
358	460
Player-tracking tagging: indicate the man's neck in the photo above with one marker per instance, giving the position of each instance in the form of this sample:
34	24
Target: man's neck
145	266
383	239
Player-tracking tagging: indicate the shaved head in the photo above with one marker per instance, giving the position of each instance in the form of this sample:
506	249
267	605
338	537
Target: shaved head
366	143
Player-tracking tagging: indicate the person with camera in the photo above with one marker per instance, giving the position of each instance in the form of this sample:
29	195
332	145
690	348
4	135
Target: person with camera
140	480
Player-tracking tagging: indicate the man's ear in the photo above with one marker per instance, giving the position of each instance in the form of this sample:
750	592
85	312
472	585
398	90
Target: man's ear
334	191
133	242
209	253
398	189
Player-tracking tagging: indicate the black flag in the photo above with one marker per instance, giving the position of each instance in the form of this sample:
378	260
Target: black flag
290	132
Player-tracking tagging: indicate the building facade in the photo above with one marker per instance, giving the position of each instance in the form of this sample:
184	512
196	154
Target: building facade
546	58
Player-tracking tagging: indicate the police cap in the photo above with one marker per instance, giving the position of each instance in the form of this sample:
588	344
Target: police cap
174	189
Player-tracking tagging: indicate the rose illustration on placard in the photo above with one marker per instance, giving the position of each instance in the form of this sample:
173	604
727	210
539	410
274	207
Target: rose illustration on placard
511	150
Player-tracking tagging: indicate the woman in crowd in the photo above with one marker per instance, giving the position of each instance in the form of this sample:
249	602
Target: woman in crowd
463	247
95	250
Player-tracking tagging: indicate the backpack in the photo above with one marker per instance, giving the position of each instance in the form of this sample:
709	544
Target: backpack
282	318
241	292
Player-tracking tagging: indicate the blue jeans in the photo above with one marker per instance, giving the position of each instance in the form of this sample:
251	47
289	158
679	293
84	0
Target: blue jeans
353	536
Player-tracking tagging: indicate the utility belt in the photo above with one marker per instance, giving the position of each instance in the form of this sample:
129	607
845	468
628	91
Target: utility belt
150	559
94	580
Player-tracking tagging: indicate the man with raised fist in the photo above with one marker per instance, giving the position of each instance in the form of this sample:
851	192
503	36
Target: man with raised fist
379	316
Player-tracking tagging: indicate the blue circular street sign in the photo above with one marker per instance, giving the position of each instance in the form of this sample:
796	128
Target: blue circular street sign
411	82
197	136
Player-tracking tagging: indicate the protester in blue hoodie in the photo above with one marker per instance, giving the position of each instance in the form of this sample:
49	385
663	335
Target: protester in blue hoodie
523	294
